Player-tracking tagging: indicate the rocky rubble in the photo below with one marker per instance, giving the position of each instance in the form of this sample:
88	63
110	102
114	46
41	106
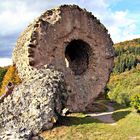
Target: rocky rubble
33	106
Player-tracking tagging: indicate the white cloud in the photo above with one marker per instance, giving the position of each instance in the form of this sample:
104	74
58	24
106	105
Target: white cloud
15	15
5	62
120	24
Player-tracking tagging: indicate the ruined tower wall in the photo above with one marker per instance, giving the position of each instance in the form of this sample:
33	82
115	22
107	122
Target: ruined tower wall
74	42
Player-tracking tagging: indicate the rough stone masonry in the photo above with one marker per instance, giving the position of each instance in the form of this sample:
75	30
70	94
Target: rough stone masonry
64	59
34	106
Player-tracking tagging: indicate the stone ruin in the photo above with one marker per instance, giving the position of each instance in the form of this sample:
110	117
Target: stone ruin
75	43
64	59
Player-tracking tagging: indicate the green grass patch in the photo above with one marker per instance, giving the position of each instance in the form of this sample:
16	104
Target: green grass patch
120	114
86	128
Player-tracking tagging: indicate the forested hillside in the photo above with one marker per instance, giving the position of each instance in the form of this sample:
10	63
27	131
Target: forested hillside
127	55
124	84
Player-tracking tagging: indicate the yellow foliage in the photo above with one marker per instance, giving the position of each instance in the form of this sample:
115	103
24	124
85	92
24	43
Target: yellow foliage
10	76
128	43
118	77
138	67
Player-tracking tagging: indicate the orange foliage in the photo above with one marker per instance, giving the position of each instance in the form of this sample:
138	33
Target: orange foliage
10	76
128	43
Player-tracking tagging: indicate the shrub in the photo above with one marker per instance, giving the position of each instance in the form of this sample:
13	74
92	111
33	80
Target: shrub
135	101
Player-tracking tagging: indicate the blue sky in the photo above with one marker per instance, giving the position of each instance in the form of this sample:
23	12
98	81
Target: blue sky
121	18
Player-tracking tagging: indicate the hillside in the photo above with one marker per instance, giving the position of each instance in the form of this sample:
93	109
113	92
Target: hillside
127	55
125	78
129	43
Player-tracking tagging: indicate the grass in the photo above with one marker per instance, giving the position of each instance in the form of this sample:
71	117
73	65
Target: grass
80	127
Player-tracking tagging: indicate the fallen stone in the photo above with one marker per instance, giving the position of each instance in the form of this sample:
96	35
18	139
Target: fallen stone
34	105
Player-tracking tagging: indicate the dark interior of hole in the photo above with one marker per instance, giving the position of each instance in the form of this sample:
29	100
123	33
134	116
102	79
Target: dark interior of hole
77	55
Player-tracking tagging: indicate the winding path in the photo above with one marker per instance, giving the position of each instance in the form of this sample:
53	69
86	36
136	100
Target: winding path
105	117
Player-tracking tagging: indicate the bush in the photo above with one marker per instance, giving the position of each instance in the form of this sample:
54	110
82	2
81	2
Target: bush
135	101
120	97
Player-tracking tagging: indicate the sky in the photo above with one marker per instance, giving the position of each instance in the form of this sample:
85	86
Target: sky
120	17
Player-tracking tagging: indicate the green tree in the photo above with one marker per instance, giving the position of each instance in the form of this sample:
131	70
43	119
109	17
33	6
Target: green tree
135	101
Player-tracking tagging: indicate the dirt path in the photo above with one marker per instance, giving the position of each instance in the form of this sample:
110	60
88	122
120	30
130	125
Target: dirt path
105	117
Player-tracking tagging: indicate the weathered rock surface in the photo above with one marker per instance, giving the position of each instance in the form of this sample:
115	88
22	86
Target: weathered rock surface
74	42
33	106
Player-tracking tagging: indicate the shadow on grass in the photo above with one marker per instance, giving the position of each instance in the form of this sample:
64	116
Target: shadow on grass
117	106
120	114
76	120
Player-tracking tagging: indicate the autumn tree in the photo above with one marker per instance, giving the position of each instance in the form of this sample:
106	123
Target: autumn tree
10	76
2	73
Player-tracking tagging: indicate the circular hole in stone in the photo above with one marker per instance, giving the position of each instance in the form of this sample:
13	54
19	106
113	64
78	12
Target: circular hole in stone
77	56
